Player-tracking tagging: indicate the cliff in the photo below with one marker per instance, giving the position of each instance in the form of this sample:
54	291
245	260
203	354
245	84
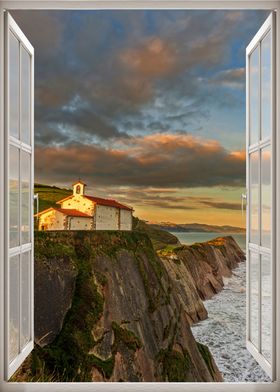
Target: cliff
160	238
202	265
108	308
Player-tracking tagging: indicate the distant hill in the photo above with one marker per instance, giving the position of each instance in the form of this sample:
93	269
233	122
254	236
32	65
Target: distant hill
159	237
197	227
49	195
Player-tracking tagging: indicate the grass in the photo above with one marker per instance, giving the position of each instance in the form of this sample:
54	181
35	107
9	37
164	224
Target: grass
206	355
51	247
126	336
49	195
67	358
168	250
175	365
160	238
105	367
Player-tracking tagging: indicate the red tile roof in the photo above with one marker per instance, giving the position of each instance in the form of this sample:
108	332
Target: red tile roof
71	212
108	202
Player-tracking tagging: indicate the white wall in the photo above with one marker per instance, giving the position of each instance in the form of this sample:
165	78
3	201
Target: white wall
53	220
106	218
79	223
125	220
80	203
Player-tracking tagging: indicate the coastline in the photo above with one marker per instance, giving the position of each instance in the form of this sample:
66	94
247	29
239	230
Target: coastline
224	329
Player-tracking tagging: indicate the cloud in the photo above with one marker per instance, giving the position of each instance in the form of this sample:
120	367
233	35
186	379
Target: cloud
167	199
71	125
160	160
44	29
154	58
161	198
233	78
223	205
132	67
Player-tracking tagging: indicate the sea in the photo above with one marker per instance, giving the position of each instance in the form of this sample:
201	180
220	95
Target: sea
224	329
192	237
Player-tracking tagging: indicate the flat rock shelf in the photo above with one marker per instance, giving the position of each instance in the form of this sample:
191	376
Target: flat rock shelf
224	331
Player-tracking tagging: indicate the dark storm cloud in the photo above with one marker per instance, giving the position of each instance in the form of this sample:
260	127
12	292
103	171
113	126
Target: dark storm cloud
81	125
159	160
120	67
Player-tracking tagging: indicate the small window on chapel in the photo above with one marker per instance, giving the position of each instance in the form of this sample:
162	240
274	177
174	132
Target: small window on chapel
78	189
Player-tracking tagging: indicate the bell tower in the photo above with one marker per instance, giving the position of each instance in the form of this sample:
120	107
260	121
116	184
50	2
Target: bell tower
79	188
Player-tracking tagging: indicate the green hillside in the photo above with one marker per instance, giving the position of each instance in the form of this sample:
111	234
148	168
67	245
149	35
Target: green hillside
160	238
49	195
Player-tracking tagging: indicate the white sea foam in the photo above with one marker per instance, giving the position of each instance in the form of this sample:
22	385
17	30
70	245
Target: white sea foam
224	331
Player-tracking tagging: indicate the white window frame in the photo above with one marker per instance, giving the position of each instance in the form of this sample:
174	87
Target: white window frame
260	250
12	27
136	4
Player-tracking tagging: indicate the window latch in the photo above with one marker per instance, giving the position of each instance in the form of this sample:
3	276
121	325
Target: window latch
243	202
36	199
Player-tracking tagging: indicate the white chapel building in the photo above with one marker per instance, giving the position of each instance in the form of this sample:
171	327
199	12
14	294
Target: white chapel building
83	212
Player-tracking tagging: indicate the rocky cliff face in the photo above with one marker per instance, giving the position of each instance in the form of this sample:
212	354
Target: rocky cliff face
202	265
107	308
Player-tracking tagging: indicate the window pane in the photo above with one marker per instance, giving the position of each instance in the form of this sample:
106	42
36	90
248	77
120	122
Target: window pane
25	197
254	298
13	308
254	96
14	196
266	307
254	197
266	197
25	96
266	86
14	86
25	296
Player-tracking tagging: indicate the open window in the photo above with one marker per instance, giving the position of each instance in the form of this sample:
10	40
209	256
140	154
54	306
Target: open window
261	267
261	189
19	187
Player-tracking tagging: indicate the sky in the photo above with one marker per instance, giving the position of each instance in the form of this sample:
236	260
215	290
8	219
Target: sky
146	107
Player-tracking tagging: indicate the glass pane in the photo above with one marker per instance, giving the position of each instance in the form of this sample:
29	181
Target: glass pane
254	197
25	197
25	299
266	86
25	96
266	307
13	308
254	96
266	197
254	298
14	86
14	196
